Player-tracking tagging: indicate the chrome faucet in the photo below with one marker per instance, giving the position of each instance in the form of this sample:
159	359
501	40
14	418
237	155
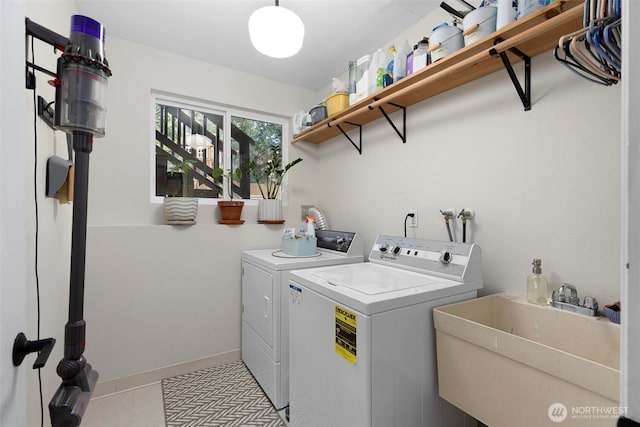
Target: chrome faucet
566	298
571	297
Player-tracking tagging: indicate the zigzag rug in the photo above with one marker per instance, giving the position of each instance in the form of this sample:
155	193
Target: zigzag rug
226	395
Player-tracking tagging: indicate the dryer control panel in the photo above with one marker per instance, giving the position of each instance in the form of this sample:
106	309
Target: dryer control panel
342	242
449	260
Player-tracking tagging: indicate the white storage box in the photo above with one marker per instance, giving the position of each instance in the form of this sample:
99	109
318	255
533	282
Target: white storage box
300	247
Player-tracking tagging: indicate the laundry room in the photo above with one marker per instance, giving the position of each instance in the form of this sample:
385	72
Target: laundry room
520	182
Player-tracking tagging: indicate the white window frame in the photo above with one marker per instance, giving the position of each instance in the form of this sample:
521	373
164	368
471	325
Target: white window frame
227	112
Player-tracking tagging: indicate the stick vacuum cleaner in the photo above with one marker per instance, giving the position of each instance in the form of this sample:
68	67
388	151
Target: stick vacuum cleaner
80	110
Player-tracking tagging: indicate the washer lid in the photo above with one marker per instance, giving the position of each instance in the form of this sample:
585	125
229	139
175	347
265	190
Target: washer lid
266	258
371	279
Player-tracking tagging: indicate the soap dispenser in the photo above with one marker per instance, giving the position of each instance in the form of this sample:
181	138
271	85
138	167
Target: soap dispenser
537	285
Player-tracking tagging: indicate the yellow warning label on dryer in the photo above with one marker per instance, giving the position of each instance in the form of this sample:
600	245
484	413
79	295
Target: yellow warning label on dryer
346	334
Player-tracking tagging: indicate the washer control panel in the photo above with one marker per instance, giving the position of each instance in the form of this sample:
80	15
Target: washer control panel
445	256
453	260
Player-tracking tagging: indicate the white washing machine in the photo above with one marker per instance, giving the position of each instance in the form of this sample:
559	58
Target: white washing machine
265	319
362	343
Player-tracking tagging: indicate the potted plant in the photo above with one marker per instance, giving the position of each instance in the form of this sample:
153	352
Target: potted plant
230	210
268	172
179	208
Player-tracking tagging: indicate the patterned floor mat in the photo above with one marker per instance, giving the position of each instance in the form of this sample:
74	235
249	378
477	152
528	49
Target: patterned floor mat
226	395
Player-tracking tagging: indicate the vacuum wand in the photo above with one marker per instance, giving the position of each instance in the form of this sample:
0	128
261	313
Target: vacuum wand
78	378
82	145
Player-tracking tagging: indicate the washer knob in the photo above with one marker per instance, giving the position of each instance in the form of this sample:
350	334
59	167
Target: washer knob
396	250
384	247
445	256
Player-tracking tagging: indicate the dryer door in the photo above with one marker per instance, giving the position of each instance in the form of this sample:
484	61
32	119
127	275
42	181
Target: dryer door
258	300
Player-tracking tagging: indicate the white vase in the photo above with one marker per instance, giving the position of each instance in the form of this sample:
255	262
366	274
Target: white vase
270	211
180	210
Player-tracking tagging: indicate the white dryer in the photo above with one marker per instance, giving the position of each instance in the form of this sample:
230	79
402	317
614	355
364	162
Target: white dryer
265	319
362	342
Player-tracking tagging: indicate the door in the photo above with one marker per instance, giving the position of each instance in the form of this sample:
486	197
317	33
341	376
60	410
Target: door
13	262
257	300
630	295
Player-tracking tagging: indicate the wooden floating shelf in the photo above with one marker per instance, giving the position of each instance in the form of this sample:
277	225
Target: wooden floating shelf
534	34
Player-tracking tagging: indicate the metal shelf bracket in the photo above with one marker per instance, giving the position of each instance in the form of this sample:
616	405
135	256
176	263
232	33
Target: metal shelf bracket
403	134
357	146
525	95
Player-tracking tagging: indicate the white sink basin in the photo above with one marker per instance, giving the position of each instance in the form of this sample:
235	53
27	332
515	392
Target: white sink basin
507	362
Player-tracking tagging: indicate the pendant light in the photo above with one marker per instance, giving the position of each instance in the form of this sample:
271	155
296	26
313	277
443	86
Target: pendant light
276	31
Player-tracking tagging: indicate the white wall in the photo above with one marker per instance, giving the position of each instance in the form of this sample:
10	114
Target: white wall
19	397
543	183
159	295
54	231
120	169
13	250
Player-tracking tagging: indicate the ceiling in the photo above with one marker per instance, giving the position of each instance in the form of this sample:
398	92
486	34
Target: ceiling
215	31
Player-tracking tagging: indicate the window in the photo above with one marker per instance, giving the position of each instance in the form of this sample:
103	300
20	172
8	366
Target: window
197	133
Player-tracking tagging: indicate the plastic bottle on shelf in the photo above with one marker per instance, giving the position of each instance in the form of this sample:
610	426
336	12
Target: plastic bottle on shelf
380	78
526	7
388	75
362	84
410	60
507	12
420	58
378	61
400	61
353	79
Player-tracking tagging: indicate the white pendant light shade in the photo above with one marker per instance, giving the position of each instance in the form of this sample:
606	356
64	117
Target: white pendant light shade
276	32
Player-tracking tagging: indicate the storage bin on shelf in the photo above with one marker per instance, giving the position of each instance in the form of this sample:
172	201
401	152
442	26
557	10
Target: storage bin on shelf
336	103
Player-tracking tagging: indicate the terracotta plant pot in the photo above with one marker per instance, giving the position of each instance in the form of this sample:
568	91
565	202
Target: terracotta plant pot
230	211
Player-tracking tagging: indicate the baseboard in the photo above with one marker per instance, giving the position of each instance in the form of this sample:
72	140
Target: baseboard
149	377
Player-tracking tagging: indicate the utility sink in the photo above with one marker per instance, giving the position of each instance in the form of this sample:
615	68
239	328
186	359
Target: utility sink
510	363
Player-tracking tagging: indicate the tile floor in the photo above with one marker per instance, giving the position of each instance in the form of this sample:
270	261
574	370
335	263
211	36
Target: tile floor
139	407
